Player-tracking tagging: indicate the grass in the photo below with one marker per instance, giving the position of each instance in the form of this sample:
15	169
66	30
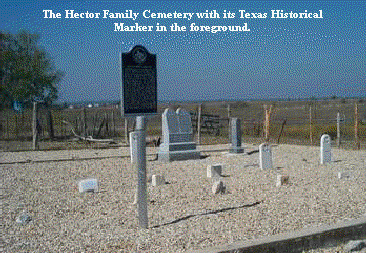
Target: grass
16	129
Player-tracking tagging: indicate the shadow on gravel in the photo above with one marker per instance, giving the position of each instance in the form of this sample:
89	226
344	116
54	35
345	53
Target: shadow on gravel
204	156
207	213
249	165
253	151
156	157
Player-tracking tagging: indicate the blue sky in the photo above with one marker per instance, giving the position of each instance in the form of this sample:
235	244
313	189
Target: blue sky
277	58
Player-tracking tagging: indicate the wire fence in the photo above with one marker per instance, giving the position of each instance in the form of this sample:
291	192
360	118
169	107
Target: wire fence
278	122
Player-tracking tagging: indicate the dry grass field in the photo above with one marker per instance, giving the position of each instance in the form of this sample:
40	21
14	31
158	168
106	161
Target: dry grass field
102	122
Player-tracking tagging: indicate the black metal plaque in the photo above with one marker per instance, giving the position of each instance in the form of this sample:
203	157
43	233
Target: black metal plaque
139	86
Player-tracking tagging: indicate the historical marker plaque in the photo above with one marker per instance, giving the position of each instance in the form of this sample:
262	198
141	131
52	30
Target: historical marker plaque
139	86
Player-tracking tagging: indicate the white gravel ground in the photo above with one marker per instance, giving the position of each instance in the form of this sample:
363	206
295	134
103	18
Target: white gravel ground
183	214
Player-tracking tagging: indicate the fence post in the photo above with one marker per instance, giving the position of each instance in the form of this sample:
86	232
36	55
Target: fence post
126	131
114	124
34	127
49	119
199	124
16	126
107	132
267	121
85	124
228	111
311	125
356	127
338	129
283	125
7	126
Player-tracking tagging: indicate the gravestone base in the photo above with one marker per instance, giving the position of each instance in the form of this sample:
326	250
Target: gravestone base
178	146
236	150
178	153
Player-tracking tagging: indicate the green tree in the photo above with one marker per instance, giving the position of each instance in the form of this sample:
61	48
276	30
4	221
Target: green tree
26	71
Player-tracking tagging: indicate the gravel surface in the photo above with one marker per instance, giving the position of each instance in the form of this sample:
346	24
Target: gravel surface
184	214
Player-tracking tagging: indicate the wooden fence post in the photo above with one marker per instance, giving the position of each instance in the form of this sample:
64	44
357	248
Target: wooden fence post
7	126
338	130
228	111
311	125
357	142
199	124
16	127
264	132
283	125
107	132
126	131
85	124
267	121
113	124
34	127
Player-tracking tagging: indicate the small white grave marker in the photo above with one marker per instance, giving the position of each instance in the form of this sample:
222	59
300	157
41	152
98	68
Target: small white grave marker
218	187
23	218
214	170
344	175
88	185
265	156
281	180
157	180
325	149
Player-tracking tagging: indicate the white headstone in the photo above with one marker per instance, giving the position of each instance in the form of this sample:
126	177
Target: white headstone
170	125
88	185
265	156
325	149
184	119
157	180
178	141
214	171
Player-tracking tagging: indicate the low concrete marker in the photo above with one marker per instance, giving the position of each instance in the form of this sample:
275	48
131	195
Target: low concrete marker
282	180
355	245
157	180
89	185
23	218
214	170
218	187
344	175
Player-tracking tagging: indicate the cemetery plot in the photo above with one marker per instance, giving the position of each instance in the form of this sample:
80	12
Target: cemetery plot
184	213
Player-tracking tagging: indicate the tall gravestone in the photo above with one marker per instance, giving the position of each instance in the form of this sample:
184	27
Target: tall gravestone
235	136
265	156
177	137
325	149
